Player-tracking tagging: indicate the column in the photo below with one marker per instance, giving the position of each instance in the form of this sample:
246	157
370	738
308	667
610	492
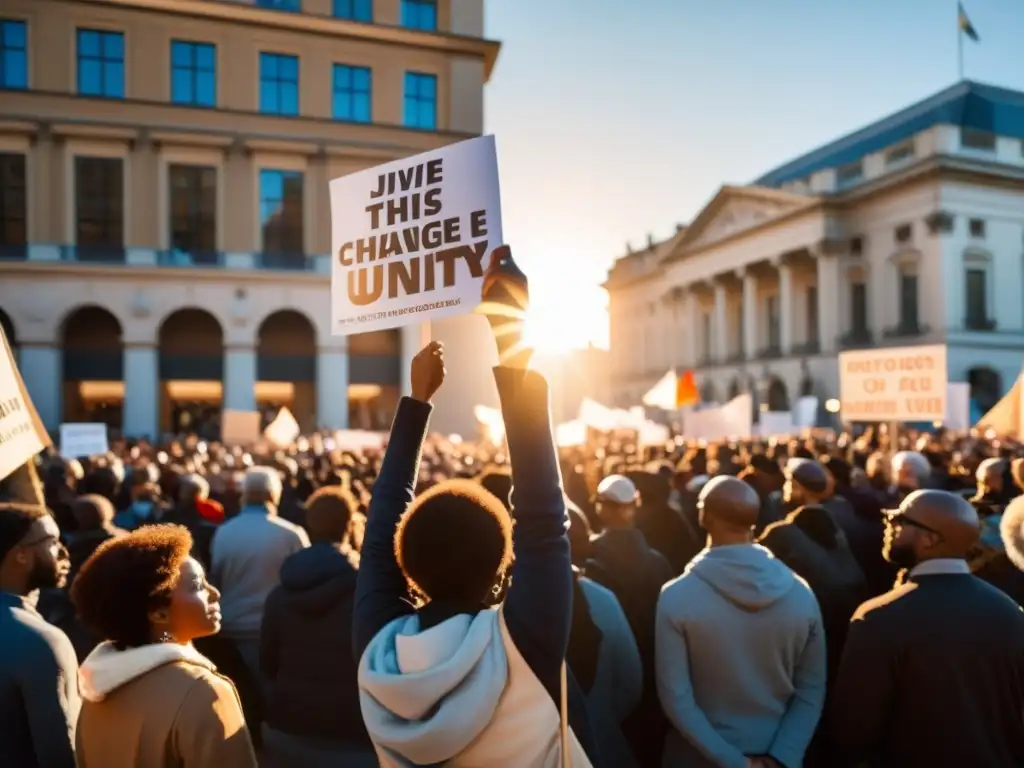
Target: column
240	378
332	388
241	201
691	333
749	315
414	338
828	300
141	382
786	307
144	210
40	366
721	325
44	216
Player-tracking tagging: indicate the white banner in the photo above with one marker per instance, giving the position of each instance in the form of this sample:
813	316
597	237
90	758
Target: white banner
410	240
21	434
898	384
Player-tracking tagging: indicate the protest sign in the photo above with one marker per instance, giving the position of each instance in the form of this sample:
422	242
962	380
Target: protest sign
83	439
239	427
898	384
411	239
22	434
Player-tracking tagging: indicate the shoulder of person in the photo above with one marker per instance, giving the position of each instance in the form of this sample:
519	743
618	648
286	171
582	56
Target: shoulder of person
204	687
884	605
598	595
35	637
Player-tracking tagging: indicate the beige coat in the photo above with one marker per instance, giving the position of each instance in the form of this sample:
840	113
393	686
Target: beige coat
159	706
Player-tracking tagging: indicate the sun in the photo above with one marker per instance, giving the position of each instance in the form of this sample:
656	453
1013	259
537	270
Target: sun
572	320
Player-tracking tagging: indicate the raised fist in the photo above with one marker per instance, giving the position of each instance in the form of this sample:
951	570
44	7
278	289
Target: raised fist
428	371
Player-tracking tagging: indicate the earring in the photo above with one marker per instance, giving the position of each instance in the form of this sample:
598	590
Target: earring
165	637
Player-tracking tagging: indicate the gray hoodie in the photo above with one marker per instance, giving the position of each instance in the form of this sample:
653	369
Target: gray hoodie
740	655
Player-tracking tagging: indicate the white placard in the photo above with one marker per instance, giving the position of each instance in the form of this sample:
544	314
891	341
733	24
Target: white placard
898	384
239	427
21	434
283	430
83	439
410	239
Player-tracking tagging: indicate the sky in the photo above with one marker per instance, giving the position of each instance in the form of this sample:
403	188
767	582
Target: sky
614	123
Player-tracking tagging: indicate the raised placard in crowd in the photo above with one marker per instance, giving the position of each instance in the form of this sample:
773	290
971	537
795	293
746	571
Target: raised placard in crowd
22	435
898	384
410	239
79	439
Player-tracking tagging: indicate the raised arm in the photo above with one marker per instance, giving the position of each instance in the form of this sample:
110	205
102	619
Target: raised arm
538	610
381	591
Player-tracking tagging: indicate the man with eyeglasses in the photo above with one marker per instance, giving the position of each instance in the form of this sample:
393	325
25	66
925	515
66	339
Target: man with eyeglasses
933	671
39	700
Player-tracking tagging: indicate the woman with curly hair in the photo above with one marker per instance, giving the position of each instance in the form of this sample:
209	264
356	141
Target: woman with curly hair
151	699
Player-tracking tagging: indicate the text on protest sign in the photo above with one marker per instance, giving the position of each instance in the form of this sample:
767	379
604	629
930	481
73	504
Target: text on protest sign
21	434
899	384
411	239
83	439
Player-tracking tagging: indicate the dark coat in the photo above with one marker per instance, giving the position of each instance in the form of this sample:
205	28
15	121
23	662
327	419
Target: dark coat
306	649
933	675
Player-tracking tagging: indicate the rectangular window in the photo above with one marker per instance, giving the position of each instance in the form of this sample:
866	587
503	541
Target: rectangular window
908	302
859	308
354	10
976	285
899	153
421	101
352	93
904	233
977	228
812	313
281	212
101	63
280	5
420	14
850	173
13	55
13	206
774	335
279	84
972	138
193	73
856	246
193	213
706	335
99	205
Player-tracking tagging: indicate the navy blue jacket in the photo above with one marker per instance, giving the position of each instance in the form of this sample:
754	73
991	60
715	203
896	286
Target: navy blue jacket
538	608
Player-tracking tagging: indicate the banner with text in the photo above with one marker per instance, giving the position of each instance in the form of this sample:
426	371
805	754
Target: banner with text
898	384
22	434
410	239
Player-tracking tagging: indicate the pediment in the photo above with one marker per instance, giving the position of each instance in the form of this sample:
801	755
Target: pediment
735	209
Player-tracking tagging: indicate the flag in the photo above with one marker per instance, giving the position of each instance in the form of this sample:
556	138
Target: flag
663	394
965	25
686	390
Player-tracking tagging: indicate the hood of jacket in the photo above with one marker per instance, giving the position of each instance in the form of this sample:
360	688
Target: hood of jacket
426	696
106	669
747	575
317	578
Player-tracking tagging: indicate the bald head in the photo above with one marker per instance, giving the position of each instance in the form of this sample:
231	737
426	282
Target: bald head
950	516
730	501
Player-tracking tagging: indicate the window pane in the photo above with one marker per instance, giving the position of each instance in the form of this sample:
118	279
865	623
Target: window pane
113	46
89	77
289	68
14	34
289	99
88	43
268	97
268	66
181	86
181	54
362	110
113	81
15	69
206	56
206	89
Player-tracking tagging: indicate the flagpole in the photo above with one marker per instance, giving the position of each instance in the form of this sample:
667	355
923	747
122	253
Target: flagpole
959	52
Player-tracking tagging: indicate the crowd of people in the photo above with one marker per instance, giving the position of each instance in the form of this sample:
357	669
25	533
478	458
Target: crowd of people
819	601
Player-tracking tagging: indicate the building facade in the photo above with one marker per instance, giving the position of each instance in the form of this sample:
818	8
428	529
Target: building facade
909	231
164	209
